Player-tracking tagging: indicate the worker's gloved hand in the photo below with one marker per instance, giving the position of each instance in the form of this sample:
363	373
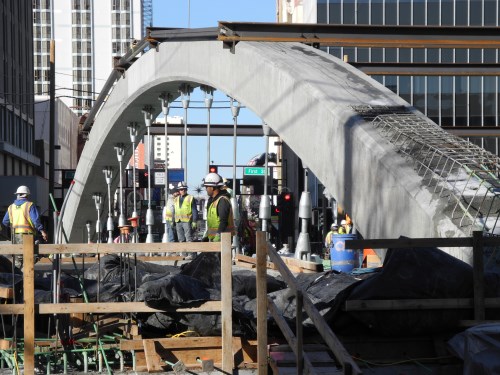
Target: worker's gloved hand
194	225
216	238
204	239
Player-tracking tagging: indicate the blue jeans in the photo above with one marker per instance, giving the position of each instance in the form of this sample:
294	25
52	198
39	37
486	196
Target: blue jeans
170	233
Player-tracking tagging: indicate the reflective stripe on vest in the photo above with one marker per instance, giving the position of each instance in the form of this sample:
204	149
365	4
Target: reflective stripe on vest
183	213
169	212
20	220
213	219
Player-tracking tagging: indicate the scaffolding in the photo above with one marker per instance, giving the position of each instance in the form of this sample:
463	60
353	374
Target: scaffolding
457	171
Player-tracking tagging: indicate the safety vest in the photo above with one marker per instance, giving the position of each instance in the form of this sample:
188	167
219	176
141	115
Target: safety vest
328	238
169	212
213	220
183	213
20	220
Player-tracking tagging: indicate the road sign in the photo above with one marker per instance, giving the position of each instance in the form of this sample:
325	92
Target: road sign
174	176
254	171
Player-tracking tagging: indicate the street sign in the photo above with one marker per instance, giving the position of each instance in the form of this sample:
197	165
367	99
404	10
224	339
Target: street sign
174	176
254	171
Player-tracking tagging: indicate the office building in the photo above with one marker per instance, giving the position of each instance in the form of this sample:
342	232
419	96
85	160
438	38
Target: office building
88	34
18	162
450	101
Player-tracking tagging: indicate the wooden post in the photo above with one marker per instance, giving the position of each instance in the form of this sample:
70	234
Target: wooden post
29	303
299	301
227	303
478	275
262	303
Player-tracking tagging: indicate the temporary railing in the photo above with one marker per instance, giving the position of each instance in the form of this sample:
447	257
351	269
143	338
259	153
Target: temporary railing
479	302
29	309
302	302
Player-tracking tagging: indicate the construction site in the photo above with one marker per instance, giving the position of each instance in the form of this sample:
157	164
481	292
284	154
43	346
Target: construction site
412	287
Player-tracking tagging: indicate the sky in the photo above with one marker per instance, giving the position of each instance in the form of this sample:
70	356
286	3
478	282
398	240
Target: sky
207	13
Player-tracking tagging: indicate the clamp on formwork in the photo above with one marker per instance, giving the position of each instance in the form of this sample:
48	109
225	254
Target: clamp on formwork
457	169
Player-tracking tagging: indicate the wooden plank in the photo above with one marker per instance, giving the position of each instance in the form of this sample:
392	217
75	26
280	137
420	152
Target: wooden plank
261	280
140	361
29	303
416	304
153	360
116	307
226	303
253	261
106	248
312	266
6	344
7	293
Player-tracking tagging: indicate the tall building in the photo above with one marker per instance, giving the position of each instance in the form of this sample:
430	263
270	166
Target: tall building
88	34
448	100
18	162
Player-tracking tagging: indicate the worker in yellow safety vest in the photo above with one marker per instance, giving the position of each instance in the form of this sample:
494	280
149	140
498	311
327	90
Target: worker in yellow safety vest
23	217
334	229
219	212
170	216
185	214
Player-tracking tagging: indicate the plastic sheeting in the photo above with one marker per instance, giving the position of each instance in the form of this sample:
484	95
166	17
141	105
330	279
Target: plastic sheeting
479	348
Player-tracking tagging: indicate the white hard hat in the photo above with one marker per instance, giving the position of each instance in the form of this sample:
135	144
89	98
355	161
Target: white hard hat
343	222
213	179
23	190
182	185
334	226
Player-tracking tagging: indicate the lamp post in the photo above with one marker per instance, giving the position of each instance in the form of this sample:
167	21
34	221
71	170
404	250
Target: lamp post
133	129
265	207
209	99
88	224
108	175
185	90
166	99
150	220
98	206
235	111
120	151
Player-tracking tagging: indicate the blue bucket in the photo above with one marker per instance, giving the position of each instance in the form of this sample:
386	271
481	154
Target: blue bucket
343	259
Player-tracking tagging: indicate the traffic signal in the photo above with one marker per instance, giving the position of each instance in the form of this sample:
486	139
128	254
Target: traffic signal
212	169
142	178
286	215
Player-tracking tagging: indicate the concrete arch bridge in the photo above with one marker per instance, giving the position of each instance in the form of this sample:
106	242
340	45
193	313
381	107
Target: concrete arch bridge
396	171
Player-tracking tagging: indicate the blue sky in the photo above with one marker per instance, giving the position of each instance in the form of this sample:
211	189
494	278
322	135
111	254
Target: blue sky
206	13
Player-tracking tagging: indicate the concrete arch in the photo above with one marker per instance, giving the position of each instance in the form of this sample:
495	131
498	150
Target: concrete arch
305	96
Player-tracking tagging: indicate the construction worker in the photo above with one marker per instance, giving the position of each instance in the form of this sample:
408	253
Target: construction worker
170	214
219	212
226	187
344	227
185	214
334	229
23	218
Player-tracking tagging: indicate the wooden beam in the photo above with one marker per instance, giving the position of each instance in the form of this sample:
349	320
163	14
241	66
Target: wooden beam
227	303
29	303
106	307
261	280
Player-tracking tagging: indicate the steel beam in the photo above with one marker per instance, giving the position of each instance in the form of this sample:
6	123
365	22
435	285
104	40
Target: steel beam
215	130
427	69
362	35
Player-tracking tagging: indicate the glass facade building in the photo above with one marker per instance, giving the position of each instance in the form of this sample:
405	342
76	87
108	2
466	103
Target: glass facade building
471	101
88	35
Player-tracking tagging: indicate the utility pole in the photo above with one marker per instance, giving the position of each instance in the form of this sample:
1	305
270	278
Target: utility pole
51	136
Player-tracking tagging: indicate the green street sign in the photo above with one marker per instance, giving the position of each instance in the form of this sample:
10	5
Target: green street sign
254	171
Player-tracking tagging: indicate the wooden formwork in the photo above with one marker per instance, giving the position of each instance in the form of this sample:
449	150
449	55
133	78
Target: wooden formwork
28	307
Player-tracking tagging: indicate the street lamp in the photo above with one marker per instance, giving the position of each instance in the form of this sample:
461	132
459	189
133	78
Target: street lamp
150	220
166	99
120	151
235	111
185	90
108	175
98	206
133	130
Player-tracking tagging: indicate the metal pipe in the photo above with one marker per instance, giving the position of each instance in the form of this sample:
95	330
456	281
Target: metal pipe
209	98
185	90
98	206
133	130
166	99
235	111
108	175
120	151
265	207
148	119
